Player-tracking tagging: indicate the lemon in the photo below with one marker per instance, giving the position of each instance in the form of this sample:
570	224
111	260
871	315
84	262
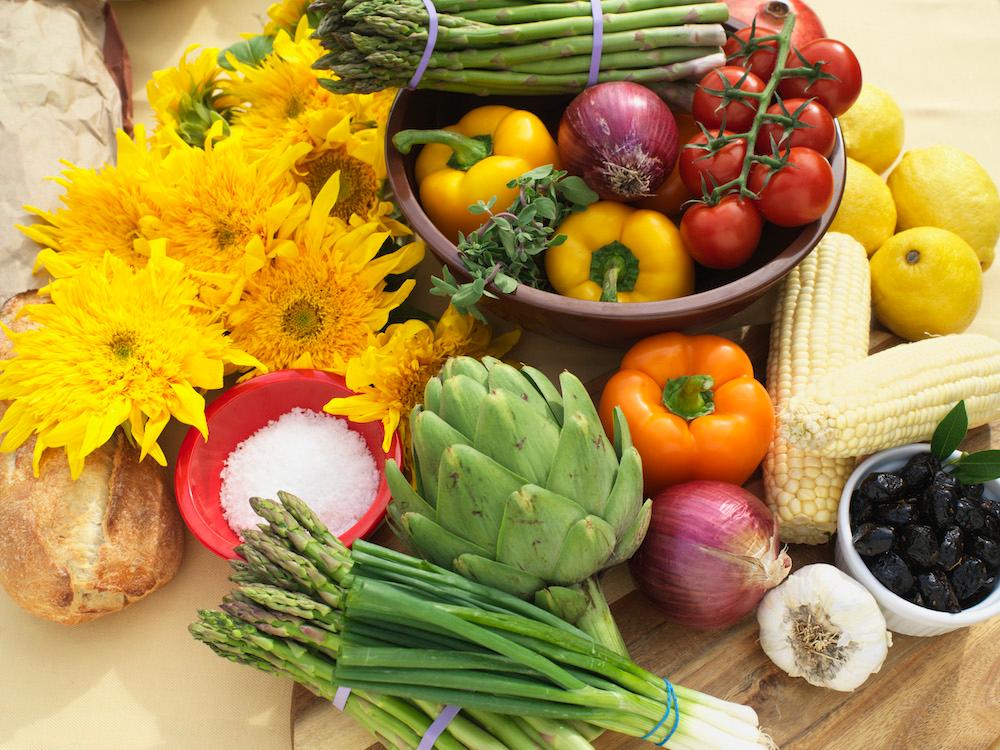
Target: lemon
926	282
944	187
873	129
866	211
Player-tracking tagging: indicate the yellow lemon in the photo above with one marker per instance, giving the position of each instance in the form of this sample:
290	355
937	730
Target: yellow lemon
926	282
866	211
873	129
944	187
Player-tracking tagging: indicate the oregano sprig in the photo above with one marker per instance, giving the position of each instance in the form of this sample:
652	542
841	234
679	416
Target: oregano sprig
969	468
505	250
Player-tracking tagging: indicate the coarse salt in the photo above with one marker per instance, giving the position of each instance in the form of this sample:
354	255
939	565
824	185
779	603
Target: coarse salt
312	455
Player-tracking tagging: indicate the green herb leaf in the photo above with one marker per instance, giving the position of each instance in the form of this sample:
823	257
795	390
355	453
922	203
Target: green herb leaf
250	51
575	191
979	467
538	173
505	283
950	432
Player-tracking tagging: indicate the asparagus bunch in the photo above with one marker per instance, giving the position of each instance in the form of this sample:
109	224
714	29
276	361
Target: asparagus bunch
408	637
518	46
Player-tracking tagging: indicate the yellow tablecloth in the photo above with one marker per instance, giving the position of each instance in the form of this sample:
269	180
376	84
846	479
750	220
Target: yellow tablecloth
136	680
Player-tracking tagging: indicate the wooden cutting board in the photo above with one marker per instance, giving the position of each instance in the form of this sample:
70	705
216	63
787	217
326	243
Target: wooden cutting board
939	693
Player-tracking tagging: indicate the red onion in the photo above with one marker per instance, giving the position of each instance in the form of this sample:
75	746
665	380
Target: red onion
620	138
710	555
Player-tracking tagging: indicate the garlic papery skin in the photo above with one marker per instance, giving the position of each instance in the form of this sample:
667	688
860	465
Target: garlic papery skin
823	625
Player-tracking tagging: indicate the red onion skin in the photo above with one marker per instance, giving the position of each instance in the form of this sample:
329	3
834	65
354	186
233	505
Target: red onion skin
620	138
710	555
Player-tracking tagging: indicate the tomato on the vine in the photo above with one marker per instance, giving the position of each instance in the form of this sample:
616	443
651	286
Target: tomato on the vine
819	132
697	165
724	235
760	62
796	194
837	94
710	108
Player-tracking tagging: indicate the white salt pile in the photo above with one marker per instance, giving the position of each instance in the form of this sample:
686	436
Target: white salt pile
312	455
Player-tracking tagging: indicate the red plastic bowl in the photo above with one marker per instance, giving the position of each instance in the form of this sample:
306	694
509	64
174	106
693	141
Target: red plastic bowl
235	416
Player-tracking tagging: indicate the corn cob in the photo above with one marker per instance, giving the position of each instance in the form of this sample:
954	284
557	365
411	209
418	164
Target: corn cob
821	322
897	396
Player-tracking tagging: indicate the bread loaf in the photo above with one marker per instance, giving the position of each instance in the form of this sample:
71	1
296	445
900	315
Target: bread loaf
73	550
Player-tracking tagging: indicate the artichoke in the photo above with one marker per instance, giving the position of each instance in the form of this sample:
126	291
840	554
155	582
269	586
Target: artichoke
518	487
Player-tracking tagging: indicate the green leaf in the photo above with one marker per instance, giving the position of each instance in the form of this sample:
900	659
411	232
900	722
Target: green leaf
505	283
538	173
950	432
250	51
546	208
575	190
979	467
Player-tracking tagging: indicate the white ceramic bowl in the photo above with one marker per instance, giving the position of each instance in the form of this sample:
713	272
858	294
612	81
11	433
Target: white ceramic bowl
900	615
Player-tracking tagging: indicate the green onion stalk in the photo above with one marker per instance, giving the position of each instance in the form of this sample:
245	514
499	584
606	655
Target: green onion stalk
408	638
519	46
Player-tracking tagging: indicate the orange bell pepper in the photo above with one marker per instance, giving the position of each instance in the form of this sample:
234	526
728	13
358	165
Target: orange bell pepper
693	407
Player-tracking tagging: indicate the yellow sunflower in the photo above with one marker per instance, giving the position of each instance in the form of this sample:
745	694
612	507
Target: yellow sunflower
320	307
389	376
282	97
115	346
285	16
102	212
226	212
189	98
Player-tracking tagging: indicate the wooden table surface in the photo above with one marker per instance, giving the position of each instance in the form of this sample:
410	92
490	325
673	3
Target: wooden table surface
940	693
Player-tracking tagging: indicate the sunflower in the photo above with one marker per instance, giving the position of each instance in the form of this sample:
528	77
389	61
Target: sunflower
227	212
115	346
102	212
389	376
282	97
320	307
189	98
285	16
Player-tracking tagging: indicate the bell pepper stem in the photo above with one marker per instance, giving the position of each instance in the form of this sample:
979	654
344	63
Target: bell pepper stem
467	150
609	288
615	268
690	396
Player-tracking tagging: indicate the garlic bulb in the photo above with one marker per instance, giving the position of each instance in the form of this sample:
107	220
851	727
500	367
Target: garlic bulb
823	625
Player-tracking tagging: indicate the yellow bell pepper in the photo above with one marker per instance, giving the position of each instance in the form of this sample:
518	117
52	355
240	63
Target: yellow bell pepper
473	160
615	253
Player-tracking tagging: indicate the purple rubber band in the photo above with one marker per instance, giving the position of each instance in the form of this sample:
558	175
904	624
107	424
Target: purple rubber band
436	729
595	52
340	697
432	37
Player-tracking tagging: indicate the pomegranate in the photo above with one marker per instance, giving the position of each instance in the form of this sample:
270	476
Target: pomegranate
771	15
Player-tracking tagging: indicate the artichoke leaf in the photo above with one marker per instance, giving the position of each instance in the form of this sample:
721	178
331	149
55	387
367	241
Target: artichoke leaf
472	494
436	544
631	538
496	574
404	498
576	399
568	602
585	550
585	465
534	527
548	391
625	498
431	437
506	378
468	366
461	397
517	436
432	394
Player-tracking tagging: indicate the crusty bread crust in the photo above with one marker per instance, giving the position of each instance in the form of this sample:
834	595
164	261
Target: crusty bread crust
73	550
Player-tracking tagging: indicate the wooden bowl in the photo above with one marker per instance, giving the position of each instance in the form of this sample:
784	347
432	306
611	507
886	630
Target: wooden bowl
718	294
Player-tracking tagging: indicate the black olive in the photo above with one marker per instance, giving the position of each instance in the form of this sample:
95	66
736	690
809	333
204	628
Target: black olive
914	596
920	546
919	471
937	592
942	508
870	540
968	515
950	549
882	487
973	491
892	572
968	577
897	514
946	481
992	529
988	551
861	510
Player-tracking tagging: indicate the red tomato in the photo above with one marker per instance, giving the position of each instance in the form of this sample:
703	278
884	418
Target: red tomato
710	108
836	94
718	168
724	235
819	133
796	194
761	62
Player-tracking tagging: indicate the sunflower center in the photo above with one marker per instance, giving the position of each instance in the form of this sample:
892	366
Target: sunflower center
358	183
227	235
302	319
122	344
